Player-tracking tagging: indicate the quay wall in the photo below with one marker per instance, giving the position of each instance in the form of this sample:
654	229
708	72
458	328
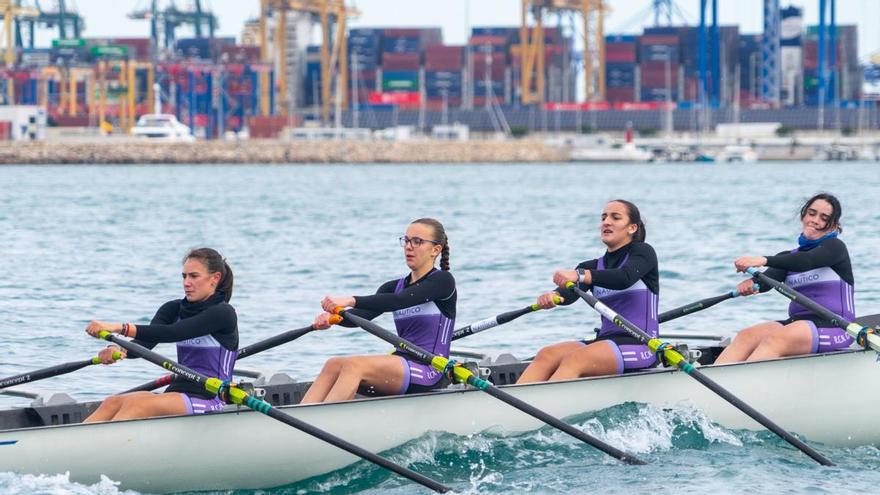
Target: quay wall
273	151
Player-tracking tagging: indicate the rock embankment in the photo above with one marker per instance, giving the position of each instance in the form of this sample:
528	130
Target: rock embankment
268	151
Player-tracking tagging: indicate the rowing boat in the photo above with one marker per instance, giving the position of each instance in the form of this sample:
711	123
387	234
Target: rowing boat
815	396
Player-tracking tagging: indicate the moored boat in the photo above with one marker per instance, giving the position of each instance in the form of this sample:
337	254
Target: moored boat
201	447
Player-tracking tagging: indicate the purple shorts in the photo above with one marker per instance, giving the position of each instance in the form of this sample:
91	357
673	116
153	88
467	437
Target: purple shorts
630	355
418	378
827	339
198	405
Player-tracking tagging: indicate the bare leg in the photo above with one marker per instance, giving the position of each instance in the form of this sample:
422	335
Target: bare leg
325	380
107	409
547	360
138	405
746	341
148	405
596	359
791	340
383	373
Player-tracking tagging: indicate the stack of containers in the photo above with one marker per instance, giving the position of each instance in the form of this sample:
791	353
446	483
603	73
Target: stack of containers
749	59
444	75
488	49
239	98
402	59
364	45
846	71
313	76
620	68
659	53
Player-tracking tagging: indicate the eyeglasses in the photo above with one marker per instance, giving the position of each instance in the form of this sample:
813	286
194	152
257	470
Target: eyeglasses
414	241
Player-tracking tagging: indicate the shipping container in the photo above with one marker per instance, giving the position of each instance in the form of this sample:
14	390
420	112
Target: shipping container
622	94
620	52
620	75
444	58
658	94
400	80
401	61
242	54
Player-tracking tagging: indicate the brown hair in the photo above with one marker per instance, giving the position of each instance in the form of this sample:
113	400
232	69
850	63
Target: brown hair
635	217
215	263
440	237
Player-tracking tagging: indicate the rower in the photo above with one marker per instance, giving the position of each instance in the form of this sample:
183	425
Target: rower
820	269
205	328
423	303
626	279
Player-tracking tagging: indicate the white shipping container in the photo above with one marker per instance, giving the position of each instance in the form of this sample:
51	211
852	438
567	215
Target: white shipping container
28	121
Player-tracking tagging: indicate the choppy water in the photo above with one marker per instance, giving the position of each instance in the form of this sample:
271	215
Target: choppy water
81	243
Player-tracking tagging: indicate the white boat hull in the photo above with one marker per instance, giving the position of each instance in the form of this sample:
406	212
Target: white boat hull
826	398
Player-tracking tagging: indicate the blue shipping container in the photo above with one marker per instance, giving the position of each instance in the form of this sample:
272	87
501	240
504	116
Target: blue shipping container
402	45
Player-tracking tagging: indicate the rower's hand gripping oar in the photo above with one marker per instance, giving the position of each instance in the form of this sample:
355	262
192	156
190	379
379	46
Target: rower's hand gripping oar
497	320
864	336
255	348
51	371
229	392
463	375
673	357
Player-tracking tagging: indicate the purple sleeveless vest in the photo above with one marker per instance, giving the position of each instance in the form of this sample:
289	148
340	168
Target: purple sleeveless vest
636	303
424	325
824	286
205	355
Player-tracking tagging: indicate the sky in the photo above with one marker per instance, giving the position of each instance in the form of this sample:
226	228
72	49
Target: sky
109	17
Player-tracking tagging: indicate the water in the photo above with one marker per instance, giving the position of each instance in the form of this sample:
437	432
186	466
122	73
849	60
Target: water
82	243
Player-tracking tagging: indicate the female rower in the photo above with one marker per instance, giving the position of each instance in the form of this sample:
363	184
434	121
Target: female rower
205	328
820	269
423	303
626	279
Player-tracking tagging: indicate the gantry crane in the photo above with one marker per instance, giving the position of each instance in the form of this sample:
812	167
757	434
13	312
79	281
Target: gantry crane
333	15
167	20
12	10
592	13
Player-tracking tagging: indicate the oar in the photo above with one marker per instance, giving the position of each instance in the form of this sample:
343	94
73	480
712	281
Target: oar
512	315
464	375
672	356
232	393
51	371
696	306
256	347
865	336
496	320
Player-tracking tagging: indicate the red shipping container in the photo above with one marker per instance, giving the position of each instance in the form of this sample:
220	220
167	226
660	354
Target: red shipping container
658	39
442	65
488	40
5	130
138	48
654	78
496	72
620	94
395	66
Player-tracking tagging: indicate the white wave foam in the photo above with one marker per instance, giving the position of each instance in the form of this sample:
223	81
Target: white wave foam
59	484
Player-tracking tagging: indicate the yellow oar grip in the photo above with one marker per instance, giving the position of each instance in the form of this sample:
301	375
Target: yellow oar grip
335	319
556	300
672	356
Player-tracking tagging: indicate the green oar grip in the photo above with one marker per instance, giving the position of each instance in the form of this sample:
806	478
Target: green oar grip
116	357
556	300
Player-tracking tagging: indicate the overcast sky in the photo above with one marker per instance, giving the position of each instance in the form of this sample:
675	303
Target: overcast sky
109	18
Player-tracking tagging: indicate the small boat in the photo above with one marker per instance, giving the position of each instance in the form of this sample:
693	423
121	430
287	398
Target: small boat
162	127
737	153
48	438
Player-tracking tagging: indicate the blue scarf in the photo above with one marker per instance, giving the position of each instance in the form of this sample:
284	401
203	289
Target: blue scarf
805	244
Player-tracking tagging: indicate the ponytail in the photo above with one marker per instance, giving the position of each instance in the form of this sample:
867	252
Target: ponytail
440	237
215	263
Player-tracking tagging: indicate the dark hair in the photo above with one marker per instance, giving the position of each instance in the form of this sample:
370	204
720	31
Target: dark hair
836	209
439	236
215	263
635	217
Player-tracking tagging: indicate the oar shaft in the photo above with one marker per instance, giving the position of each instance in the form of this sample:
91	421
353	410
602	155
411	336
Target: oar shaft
490	322
679	361
464	375
58	369
852	328
695	306
239	396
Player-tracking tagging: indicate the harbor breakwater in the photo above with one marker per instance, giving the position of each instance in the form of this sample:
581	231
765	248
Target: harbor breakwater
272	151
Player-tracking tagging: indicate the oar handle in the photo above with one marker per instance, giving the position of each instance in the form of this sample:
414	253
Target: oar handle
676	359
51	371
116	357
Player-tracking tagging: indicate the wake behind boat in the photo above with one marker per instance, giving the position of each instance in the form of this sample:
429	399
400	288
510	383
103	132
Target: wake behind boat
49	439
